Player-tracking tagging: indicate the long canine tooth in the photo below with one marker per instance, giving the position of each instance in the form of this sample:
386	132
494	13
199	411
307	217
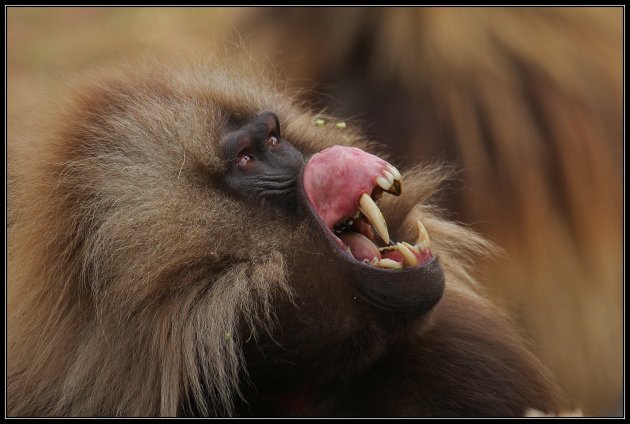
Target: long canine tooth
394	172
383	183
423	242
408	256
389	263
373	213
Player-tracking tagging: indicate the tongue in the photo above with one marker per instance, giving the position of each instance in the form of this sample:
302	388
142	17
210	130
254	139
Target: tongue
360	246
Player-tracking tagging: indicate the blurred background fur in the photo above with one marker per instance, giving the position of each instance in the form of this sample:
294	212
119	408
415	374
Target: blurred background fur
526	102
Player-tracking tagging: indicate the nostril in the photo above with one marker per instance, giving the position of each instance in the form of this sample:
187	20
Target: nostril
245	160
272	141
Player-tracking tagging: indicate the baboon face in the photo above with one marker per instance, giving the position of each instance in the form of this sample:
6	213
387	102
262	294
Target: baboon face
336	190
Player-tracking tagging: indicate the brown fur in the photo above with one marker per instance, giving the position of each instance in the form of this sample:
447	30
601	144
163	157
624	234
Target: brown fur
137	287
528	103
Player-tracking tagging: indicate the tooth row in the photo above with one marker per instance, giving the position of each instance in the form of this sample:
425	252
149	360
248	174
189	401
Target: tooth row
374	215
388	248
407	251
390	180
388	263
384	183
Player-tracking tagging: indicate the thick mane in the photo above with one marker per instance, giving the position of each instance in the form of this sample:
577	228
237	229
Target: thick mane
133	284
114	289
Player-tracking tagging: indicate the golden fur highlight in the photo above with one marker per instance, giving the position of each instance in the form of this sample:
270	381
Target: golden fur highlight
135	283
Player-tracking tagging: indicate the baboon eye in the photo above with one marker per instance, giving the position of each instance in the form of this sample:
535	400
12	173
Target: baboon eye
244	160
272	141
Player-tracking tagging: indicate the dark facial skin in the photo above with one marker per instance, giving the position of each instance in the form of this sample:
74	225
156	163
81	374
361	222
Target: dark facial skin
262	167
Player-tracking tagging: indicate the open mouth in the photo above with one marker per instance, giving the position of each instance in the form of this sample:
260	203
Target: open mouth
341	186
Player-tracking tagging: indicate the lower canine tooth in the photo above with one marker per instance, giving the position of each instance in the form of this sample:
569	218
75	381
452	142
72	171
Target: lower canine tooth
408	256
423	236
373	213
388	263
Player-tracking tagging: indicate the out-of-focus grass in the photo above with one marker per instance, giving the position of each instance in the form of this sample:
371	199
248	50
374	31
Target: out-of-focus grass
46	46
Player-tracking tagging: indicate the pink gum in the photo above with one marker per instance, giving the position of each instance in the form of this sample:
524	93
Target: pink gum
335	179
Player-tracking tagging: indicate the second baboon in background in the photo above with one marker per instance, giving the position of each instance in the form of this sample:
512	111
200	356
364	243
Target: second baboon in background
528	103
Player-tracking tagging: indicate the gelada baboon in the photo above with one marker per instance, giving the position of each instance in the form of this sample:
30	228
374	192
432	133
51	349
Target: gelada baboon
528	103
194	242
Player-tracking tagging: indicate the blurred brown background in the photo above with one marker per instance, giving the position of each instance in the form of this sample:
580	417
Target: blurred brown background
525	101
47	46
